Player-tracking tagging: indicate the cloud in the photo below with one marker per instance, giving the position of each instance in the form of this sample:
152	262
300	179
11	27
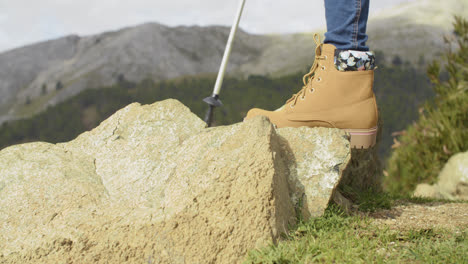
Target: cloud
26	21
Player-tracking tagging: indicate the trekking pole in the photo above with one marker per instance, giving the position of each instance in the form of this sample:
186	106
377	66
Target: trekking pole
213	100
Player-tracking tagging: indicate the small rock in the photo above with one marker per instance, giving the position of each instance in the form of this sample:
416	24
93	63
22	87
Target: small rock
452	183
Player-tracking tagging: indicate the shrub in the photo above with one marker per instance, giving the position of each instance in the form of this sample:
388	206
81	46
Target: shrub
442	128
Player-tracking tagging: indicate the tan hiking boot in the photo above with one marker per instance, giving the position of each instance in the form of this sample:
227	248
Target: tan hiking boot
331	98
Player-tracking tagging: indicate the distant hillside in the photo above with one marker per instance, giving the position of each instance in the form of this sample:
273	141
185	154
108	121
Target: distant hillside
415	30
40	75
425	12
64	67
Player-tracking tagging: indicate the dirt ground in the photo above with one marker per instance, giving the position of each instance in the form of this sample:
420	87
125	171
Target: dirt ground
407	216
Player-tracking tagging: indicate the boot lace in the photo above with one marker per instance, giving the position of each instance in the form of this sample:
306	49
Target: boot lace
307	79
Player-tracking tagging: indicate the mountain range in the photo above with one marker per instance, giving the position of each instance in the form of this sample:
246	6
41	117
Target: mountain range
43	74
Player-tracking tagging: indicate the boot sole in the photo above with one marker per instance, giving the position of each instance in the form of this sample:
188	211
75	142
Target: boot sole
362	138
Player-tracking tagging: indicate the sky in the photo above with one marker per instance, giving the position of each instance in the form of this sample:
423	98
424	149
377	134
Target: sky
24	22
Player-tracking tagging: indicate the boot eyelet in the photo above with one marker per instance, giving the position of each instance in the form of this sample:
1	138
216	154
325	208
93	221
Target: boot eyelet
326	57
312	90
291	105
319	79
323	68
302	98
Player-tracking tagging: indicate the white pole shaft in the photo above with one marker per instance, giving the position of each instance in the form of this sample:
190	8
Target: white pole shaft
227	51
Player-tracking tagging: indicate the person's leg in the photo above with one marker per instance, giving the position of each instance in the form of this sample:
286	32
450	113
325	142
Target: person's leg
347	24
338	90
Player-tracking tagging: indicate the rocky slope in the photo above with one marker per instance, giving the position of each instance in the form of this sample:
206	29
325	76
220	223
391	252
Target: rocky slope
151	50
30	76
152	185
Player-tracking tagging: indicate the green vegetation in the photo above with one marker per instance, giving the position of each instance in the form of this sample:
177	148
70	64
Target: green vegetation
400	91
442	128
369	200
337	238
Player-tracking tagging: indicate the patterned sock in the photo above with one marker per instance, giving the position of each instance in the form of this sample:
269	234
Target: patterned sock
353	60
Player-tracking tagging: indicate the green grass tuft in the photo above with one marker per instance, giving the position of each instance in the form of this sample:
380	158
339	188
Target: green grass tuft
369	200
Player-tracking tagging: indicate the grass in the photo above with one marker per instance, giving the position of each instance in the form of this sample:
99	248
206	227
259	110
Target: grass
339	238
370	200
27	110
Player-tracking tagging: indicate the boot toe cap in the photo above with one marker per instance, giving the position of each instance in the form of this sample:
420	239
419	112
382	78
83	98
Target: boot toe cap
272	116
255	112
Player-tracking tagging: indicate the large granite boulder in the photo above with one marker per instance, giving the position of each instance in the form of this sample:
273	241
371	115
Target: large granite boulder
452	183
152	184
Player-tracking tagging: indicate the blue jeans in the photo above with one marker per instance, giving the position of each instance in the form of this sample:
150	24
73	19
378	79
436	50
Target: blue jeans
347	23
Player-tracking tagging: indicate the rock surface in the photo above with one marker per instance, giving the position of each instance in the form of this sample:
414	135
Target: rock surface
452	183
152	185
